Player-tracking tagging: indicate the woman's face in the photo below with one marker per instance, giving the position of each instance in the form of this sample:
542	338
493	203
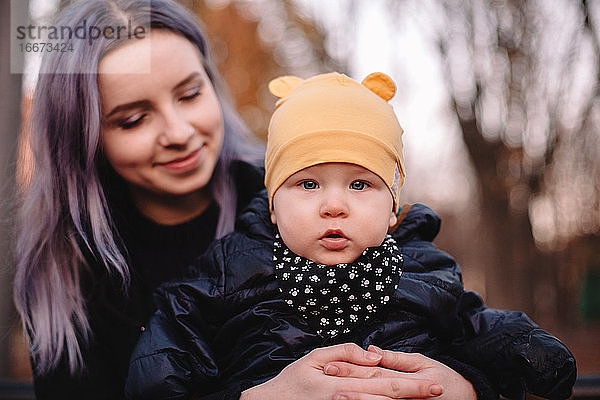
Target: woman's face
162	129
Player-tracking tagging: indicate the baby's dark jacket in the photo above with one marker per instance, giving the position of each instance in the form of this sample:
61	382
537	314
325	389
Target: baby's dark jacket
228	328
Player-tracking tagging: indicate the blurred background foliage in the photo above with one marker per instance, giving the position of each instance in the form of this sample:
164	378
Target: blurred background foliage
500	101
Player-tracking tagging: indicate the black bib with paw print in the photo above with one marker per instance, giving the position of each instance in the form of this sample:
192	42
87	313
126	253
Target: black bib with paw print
334	298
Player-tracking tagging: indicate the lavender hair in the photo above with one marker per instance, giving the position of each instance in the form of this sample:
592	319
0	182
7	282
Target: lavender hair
64	220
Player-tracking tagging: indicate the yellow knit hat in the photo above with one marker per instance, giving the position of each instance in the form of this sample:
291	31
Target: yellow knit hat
332	118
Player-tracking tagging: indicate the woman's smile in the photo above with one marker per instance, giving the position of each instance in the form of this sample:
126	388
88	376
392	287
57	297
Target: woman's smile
186	163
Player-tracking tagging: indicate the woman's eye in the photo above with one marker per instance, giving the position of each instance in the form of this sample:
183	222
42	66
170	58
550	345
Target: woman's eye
359	185
309	185
132	121
190	94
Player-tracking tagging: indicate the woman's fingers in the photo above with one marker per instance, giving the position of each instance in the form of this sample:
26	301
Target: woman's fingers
419	366
348	352
359	396
344	369
406	362
385	382
393	388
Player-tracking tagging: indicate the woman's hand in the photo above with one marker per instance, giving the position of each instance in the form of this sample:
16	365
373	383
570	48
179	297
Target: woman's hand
305	379
403	366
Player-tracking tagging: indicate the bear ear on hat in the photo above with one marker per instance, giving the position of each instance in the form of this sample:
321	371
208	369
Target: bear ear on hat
380	84
282	86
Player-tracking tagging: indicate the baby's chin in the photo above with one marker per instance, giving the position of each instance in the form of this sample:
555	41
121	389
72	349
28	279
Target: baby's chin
334	259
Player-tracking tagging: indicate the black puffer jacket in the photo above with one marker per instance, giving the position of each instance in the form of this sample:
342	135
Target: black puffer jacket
229	328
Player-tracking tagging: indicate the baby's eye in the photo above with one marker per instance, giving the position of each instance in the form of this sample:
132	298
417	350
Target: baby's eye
359	185
309	185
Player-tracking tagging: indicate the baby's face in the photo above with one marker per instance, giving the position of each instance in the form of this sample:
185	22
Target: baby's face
330	213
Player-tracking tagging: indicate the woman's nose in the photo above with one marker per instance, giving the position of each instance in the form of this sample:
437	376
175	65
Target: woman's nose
176	130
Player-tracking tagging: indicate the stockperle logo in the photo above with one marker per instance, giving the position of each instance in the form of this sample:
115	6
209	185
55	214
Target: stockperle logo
33	34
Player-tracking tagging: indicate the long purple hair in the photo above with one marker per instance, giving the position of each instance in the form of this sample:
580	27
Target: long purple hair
64	218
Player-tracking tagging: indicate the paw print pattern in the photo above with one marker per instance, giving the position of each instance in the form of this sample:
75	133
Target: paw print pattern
330	333
336	298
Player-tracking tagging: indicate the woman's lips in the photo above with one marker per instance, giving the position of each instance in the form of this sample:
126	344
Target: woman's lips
184	164
334	239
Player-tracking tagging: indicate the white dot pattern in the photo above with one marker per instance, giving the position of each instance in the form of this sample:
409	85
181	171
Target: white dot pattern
334	298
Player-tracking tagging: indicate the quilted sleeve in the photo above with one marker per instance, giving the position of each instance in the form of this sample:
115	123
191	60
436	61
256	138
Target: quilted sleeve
173	358
513	351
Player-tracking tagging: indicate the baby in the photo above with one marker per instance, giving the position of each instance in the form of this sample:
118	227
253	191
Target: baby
327	256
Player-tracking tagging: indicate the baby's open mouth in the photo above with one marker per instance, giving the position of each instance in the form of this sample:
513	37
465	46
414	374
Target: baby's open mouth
334	239
333	234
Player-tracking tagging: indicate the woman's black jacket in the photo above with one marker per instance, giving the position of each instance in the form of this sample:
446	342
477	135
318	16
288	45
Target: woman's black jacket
157	254
229	328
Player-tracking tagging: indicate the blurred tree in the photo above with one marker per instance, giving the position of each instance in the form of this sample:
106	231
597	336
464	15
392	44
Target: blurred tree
256	41
523	78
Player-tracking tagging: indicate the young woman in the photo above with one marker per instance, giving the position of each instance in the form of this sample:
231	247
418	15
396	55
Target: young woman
140	161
